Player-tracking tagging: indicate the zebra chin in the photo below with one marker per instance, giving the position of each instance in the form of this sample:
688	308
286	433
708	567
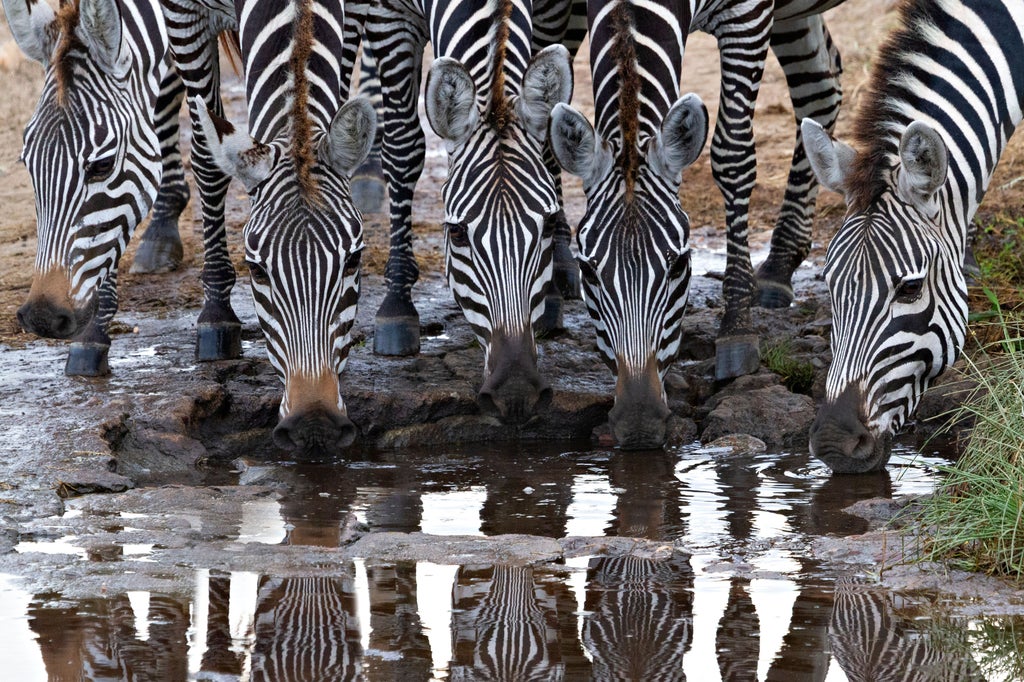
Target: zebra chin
42	316
315	433
840	439
513	390
639	417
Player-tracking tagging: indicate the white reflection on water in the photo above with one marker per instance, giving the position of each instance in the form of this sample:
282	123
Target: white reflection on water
593	505
434	584
20	656
453	513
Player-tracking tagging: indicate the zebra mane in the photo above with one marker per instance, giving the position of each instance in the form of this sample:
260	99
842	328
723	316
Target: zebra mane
624	54
63	32
499	113
302	150
873	133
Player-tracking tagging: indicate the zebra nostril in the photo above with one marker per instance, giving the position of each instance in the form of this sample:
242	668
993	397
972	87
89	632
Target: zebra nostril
63	324
283	436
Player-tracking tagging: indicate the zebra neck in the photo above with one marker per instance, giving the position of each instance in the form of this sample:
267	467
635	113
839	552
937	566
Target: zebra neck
635	82
288	80
491	39
959	67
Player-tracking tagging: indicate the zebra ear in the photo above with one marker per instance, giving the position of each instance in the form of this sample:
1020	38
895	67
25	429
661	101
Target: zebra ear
547	82
451	100
30	23
683	134
576	146
233	150
830	158
100	29
924	160
351	136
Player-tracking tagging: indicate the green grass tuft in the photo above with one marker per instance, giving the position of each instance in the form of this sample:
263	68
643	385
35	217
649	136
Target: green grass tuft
797	375
975	519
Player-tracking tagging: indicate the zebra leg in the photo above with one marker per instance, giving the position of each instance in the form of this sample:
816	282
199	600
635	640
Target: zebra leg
194	44
743	48
560	22
160	248
368	184
812	66
89	349
399	45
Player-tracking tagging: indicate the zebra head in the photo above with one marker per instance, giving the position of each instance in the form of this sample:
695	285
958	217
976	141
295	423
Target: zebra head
899	298
499	199
303	243
634	256
91	150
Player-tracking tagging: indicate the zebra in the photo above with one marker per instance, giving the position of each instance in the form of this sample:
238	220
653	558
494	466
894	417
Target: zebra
870	641
303	239
94	156
489	101
639	617
633	249
504	626
945	95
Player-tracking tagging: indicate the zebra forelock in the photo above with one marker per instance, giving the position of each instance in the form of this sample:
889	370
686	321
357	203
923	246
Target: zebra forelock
64	26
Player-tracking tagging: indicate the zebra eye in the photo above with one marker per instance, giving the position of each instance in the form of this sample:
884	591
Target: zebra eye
258	273
99	169
458	235
909	290
352	263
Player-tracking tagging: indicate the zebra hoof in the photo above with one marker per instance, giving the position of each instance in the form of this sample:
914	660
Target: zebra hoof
87	360
158	255
774	294
221	341
396	336
567	279
736	356
550	320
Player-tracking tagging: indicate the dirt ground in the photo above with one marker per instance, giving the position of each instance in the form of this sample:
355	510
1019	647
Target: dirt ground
857	26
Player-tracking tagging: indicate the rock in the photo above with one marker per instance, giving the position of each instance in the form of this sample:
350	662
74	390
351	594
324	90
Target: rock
772	414
680	431
739	444
82	480
880	511
938	404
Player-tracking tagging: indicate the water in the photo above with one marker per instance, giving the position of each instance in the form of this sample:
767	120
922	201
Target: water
744	602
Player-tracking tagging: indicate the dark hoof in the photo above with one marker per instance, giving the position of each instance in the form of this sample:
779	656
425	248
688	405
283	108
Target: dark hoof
221	341
156	256
87	360
396	336
550	320
567	279
774	294
736	356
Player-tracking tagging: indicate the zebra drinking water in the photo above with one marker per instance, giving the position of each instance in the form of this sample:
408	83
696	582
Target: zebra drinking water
95	158
634	274
489	100
634	254
945	95
304	236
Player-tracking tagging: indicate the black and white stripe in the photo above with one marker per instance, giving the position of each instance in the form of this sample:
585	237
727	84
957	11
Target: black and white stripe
303	239
94	156
489	99
945	96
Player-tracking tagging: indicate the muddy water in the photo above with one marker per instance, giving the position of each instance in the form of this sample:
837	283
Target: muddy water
733	597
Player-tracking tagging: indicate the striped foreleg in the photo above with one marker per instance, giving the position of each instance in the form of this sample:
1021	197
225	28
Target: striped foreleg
399	48
743	46
812	66
87	356
194	43
160	247
368	183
